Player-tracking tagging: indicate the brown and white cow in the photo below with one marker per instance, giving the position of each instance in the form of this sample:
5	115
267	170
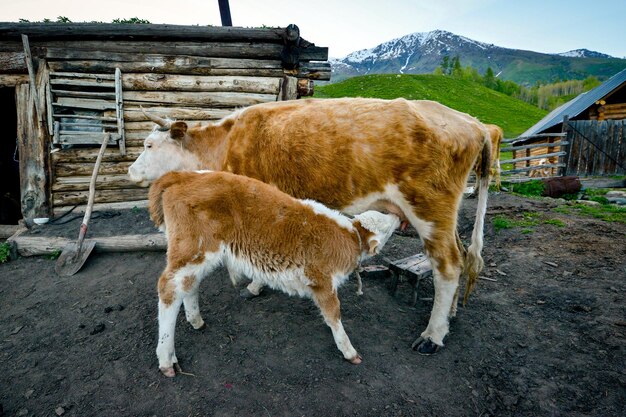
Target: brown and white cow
298	246
353	155
495	134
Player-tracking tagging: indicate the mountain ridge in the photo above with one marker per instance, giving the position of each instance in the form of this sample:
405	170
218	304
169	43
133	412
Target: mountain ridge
422	52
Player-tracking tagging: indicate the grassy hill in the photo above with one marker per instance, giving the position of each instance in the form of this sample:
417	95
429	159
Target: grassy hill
489	106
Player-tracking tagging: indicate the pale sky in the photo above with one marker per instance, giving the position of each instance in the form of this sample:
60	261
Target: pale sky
349	25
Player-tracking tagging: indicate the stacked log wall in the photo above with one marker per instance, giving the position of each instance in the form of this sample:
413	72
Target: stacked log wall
193	74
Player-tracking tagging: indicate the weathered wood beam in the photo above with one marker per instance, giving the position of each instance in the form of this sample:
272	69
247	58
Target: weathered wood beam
103	182
161	32
90	154
63	169
66	198
13	63
134	114
197	98
175	82
40	245
203	49
11	80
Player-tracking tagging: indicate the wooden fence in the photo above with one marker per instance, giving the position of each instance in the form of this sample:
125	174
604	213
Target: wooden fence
541	155
596	147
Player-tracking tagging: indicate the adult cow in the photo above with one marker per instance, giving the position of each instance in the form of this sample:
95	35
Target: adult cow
408	157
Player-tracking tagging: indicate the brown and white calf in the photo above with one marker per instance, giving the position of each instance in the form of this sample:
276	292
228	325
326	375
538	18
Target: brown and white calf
298	246
412	158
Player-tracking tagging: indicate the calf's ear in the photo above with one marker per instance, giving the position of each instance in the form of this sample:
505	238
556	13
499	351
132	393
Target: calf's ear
374	247
178	130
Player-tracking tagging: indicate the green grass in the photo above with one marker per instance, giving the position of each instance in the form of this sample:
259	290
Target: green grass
533	188
5	252
606	212
528	222
513	115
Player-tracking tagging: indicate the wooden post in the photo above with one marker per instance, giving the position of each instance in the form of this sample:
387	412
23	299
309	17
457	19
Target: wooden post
225	13
119	111
31	75
32	139
288	89
565	159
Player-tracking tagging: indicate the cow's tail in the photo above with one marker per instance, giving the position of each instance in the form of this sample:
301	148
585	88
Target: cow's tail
155	197
473	260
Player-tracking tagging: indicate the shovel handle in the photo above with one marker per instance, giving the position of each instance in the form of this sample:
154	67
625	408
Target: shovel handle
92	190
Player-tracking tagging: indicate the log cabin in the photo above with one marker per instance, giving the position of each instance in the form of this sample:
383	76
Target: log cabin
65	87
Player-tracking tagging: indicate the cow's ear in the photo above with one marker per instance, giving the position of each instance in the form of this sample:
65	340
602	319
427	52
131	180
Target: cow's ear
178	130
374	247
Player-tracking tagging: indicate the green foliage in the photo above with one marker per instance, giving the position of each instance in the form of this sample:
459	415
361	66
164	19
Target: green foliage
132	20
5	252
554	222
464	95
599	199
606	212
532	188
53	255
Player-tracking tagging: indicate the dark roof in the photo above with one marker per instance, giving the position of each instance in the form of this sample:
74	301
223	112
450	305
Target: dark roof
578	104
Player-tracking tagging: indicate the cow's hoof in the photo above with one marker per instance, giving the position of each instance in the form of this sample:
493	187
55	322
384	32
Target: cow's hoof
425	346
168	372
247	294
356	360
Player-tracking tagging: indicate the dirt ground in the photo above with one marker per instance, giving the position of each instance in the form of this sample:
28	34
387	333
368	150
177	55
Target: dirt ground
537	339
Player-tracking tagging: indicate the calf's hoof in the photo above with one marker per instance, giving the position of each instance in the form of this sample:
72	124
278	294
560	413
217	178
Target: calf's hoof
425	346
247	294
168	372
356	360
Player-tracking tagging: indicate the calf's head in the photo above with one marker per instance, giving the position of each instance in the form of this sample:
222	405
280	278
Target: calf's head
375	229
164	151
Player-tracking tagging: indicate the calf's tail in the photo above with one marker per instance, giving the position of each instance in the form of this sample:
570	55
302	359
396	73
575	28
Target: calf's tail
473	260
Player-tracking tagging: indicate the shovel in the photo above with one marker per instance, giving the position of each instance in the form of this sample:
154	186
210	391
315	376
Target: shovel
76	253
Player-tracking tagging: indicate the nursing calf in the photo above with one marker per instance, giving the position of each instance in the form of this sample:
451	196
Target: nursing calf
298	246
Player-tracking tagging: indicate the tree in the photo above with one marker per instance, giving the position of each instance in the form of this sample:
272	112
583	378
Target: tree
489	80
445	65
456	69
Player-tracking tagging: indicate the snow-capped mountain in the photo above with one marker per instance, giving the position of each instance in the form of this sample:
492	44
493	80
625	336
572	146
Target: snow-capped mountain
584	53
422	52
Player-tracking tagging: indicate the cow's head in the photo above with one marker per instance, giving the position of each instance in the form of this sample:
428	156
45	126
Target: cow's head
164	151
378	229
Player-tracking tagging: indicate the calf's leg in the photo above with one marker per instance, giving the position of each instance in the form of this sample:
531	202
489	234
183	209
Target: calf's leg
327	301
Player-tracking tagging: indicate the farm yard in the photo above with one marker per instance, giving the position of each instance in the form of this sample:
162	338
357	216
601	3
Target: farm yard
543	333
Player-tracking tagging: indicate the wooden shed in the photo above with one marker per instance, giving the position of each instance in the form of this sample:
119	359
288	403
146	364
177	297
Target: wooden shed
585	136
65	87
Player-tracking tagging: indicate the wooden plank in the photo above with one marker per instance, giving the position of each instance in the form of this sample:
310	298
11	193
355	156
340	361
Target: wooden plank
539	135
537	145
529	158
197	98
176	82
313	70
84	77
288	88
13	63
531	168
32	147
91	138
28	245
134	114
63	169
564	147
11	80
84	94
8	230
31	76
133	32
80	103
66	198
257	50
122	205
75	155
119	110
148	126
78	125
103	182
84	117
80	82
